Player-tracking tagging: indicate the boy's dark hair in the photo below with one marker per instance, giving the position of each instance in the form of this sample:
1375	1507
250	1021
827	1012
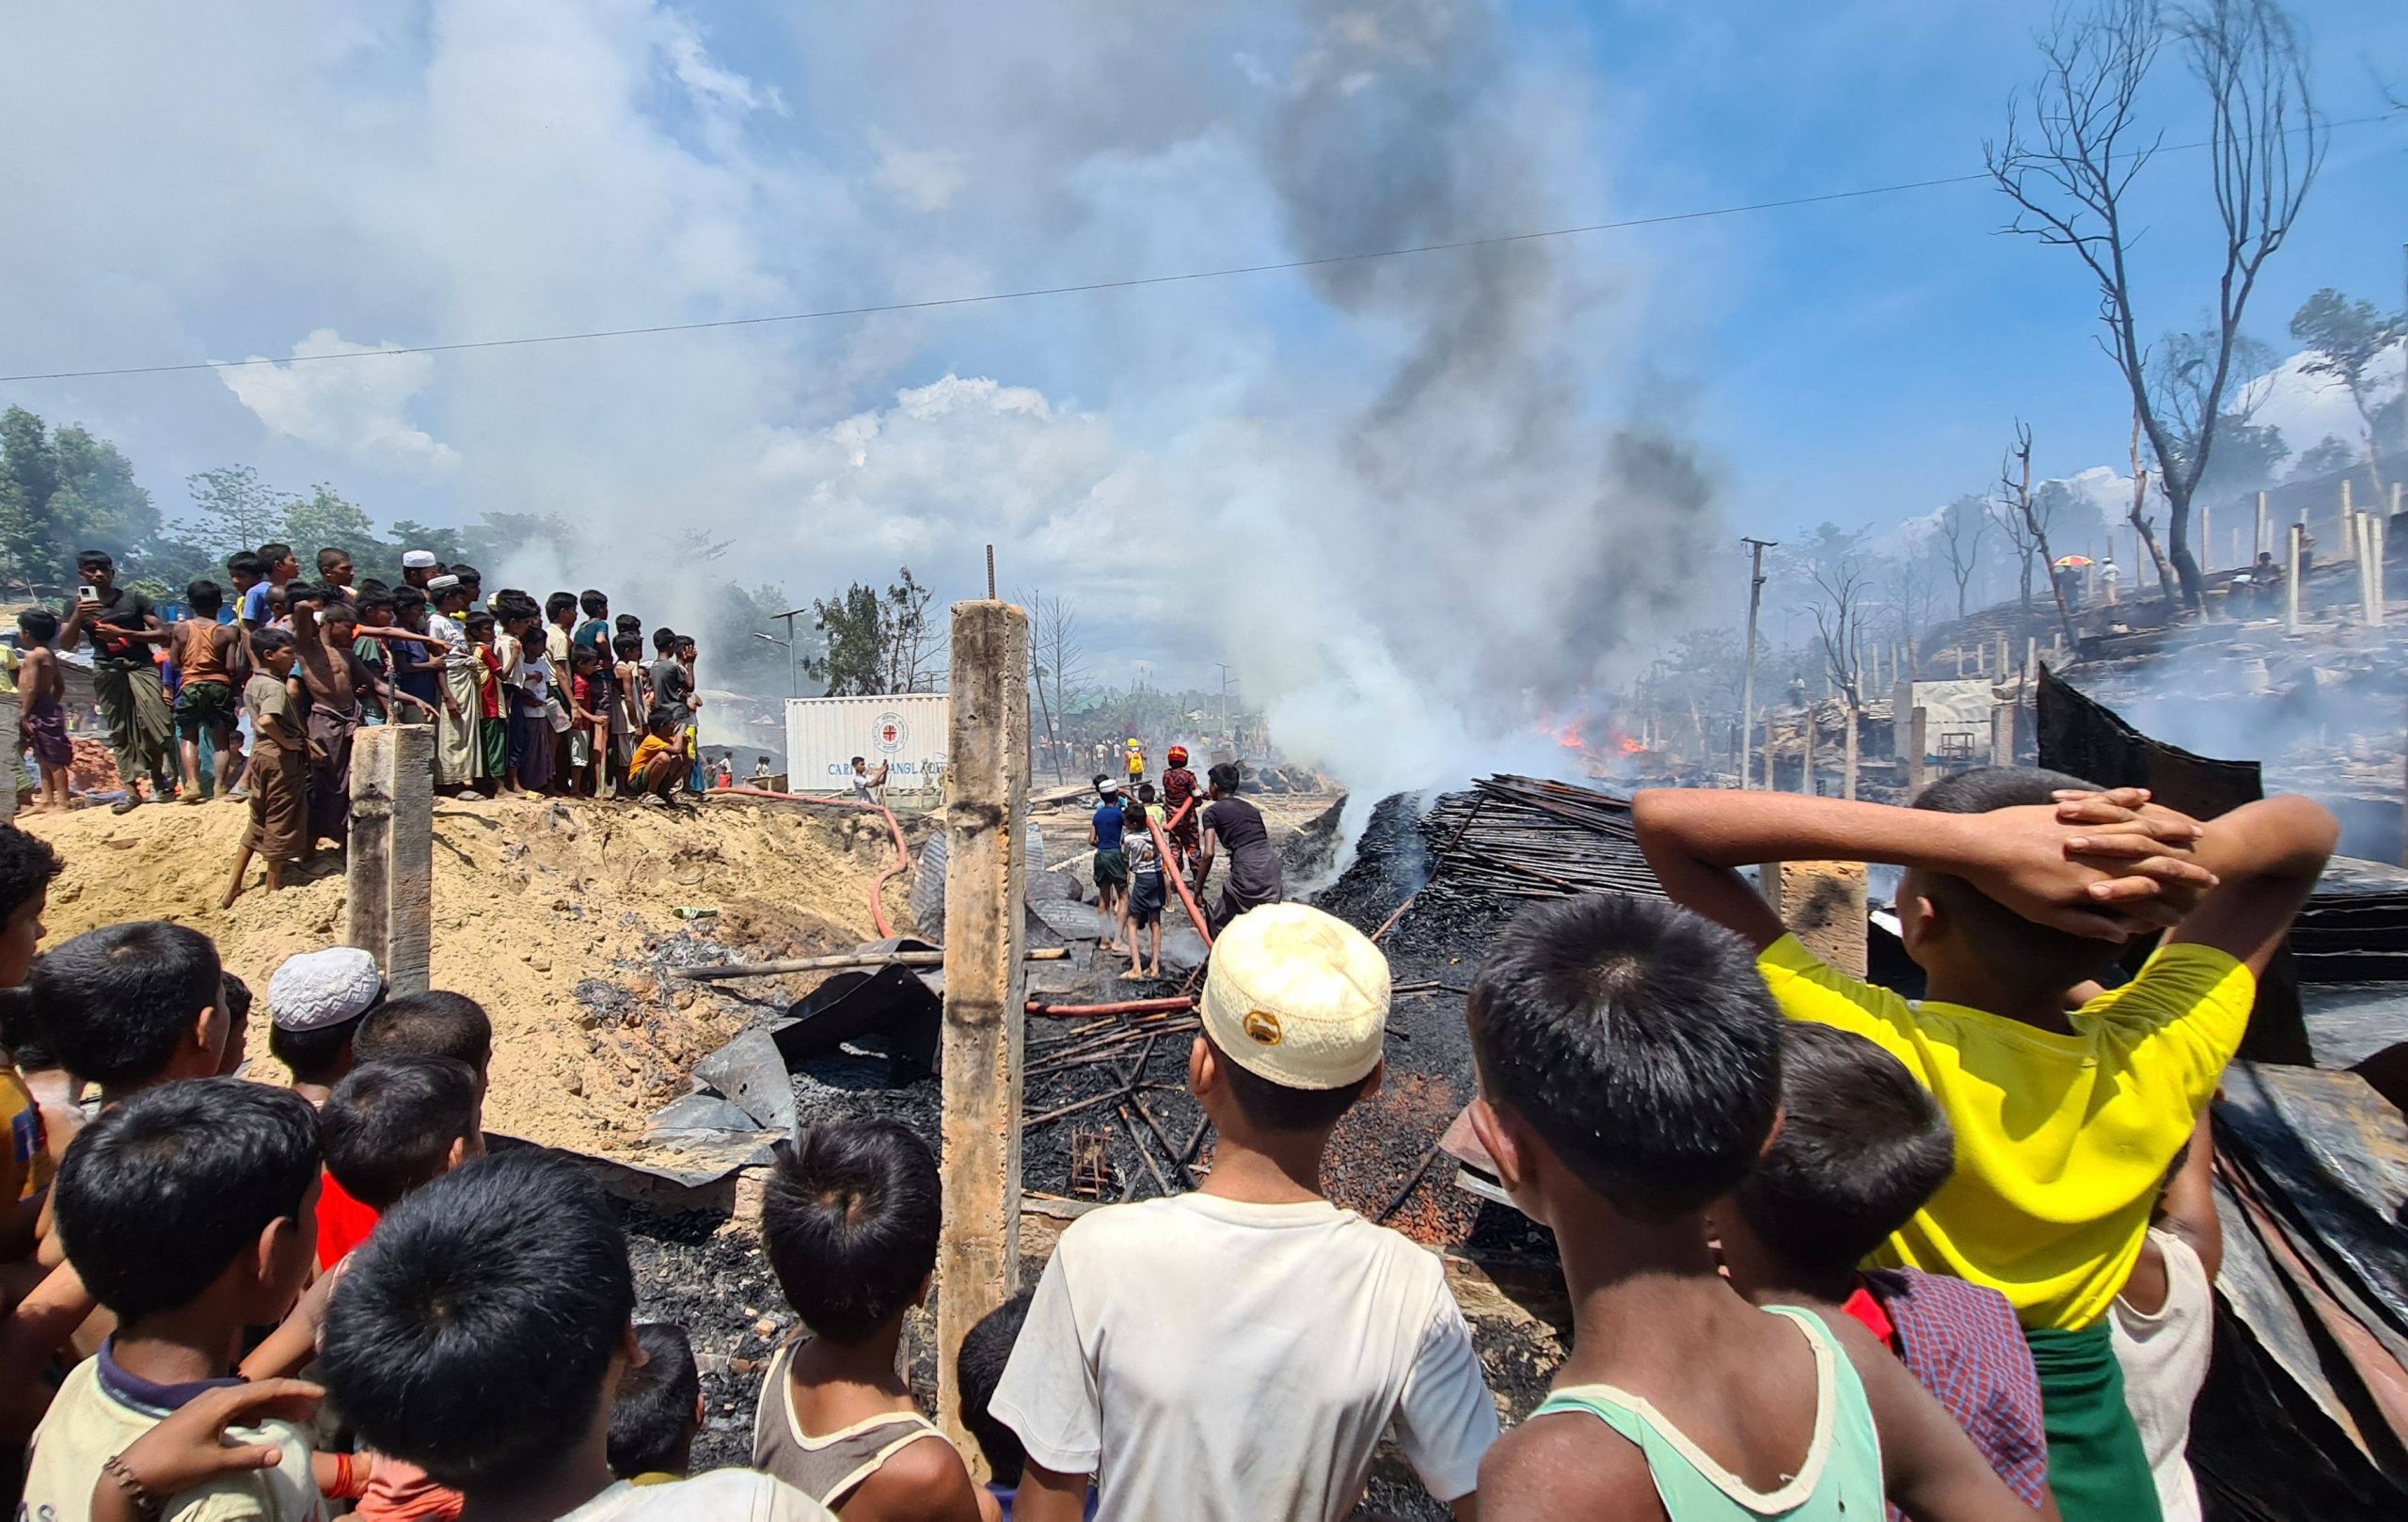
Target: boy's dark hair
479	621
115	1003
978	1369
1226	777
854	762
39	624
1998	934
273	555
205	598
849	1223
652	1417
374	598
470	576
660	720
1275	1107
627	624
370	583
266	641
472	1334
593	602
159	1194
1144	792
94	560
406	597
246	563
436	1023
626	647
585	655
1862	1146
339	611
663	640
27	865
314	1056
238	1001
389	1125
331	556
1638	1041
559	603
21	1037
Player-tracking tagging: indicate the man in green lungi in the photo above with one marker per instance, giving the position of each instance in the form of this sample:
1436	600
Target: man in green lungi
123	626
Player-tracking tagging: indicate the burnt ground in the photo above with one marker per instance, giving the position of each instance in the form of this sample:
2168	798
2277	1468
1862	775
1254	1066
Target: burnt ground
707	1272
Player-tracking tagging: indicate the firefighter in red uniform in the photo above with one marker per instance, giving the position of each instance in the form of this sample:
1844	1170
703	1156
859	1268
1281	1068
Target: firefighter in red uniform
1179	790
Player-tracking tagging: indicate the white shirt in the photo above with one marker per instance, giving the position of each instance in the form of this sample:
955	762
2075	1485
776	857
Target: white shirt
2164	1358
91	1418
448	630
1220	1361
721	1495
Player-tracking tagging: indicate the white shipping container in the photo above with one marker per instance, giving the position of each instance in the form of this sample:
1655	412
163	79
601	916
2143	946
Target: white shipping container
909	731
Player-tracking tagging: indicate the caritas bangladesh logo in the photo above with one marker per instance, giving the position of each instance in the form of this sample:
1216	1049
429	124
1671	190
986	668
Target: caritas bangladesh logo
890	734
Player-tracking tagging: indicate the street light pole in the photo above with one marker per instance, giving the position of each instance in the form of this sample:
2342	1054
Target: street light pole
793	685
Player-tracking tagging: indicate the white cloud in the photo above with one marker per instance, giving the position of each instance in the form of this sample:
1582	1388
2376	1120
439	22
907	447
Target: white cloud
922	179
347	407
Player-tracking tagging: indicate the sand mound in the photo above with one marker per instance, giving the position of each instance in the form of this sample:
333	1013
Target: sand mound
558	916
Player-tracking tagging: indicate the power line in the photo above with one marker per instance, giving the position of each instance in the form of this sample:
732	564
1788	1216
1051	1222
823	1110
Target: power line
1130	283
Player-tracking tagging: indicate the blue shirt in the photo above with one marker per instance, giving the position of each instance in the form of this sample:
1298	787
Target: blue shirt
1107	828
255	603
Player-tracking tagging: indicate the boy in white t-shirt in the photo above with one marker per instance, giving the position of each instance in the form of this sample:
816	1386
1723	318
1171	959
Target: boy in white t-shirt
1238	1353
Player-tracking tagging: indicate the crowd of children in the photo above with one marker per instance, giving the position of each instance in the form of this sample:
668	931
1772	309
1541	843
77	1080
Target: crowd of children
266	686
1824	1245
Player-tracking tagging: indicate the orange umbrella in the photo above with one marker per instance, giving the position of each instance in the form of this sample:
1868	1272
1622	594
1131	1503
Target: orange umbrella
2067	563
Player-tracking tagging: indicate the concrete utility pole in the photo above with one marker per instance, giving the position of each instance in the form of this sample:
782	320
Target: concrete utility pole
986	986
388	880
1224	698
2290	582
2258	545
793	684
1756	549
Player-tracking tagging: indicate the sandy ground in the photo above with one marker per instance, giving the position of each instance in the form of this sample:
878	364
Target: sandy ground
557	916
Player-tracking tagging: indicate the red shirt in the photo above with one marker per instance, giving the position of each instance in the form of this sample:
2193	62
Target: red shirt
343	1223
489	683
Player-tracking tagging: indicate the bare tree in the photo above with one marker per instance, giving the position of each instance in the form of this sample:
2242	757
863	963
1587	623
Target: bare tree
2069	169
1911	581
2138	518
1058	668
2015	487
1839	569
1962	524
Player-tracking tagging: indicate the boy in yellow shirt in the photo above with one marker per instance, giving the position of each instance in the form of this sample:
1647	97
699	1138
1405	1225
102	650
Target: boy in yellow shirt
2020	887
659	765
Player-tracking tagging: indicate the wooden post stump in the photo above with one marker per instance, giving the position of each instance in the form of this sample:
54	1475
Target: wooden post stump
1823	903
390	879
985	982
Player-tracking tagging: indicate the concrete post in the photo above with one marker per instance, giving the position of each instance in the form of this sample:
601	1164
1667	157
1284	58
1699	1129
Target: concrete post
2258	545
388	880
1848	751
2349	523
985	982
1806	770
2031	660
2002	735
1823	903
2207	539
2371	568
1767	717
2290	580
1918	748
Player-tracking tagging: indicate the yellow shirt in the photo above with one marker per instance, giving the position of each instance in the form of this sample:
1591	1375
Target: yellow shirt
650	746
2062	1141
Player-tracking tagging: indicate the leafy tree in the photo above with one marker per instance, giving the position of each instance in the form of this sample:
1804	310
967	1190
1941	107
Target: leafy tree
2344	338
445	543
327	519
237	509
854	623
2330	457
63	492
911	664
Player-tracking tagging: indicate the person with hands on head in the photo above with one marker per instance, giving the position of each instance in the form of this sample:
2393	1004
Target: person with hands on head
1629	1076
2020	887
123	626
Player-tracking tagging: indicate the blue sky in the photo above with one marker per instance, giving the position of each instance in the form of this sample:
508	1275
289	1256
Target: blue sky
1373	488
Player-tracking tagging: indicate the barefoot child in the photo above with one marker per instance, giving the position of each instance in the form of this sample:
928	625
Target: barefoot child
42	688
279	778
208	704
1146	887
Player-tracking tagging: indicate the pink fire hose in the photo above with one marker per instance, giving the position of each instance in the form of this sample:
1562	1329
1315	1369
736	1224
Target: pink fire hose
878	886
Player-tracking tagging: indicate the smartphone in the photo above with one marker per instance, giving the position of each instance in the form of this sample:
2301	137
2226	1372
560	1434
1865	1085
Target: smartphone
87	593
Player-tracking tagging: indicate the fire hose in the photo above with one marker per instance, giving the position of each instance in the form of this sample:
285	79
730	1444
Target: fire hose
1171	868
878	885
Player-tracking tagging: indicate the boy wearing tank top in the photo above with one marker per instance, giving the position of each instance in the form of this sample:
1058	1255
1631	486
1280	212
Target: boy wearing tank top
849	1223
1629	1067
